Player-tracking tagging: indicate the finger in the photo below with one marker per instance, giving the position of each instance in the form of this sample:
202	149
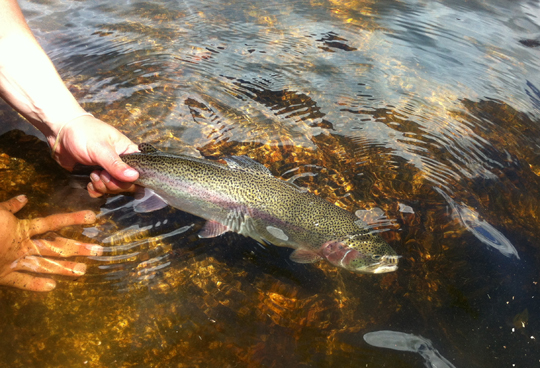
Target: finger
92	191
62	247
28	282
47	265
116	167
98	184
13	205
55	222
103	183
115	186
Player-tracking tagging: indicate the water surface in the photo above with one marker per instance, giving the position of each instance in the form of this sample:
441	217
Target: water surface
426	111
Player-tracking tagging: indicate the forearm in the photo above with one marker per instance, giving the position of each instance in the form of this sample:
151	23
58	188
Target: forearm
28	79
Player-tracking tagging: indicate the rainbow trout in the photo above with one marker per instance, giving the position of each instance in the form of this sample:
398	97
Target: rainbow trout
244	197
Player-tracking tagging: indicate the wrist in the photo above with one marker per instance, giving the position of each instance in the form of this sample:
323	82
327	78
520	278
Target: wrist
60	128
29	83
51	124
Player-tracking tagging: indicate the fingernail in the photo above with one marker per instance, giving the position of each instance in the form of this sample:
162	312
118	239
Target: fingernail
96	250
92	192
105	177
90	218
21	198
94	177
79	269
131	173
49	285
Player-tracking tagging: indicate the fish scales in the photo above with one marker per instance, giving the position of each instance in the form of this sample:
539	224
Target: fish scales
244	197
278	200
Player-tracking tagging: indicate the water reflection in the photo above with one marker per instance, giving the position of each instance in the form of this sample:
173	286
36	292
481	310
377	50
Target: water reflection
408	342
483	231
534	93
133	254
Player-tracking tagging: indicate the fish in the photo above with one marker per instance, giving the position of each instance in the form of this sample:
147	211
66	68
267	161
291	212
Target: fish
242	196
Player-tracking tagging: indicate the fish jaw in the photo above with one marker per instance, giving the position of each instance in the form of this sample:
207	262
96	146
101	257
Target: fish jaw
340	254
384	268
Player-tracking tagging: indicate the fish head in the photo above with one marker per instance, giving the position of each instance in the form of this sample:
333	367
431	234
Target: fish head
363	253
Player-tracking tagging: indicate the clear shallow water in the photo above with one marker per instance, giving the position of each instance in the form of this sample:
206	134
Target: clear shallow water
426	110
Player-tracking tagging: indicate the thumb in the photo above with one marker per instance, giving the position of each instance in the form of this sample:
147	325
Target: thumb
114	165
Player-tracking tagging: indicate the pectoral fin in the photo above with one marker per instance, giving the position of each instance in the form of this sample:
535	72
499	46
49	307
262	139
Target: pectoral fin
149	202
304	256
212	229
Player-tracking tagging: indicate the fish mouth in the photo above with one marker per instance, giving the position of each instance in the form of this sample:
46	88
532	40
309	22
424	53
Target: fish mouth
385	268
386	264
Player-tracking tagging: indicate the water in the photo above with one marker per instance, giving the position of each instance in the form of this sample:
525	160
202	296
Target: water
428	111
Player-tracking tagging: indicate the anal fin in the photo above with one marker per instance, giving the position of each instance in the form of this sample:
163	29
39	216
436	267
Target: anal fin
304	256
212	229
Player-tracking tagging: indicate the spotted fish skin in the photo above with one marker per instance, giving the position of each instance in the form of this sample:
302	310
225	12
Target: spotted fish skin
244	197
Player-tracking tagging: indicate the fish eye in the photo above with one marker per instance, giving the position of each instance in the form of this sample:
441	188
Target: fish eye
376	257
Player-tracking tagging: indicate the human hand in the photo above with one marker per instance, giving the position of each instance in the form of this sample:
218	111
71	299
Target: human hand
90	141
20	254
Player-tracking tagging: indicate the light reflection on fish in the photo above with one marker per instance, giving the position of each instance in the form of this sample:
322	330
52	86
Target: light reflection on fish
244	197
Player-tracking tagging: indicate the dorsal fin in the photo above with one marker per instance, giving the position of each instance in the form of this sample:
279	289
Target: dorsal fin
374	220
147	148
297	187
246	163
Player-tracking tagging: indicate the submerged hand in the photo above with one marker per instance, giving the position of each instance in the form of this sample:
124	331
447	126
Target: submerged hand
19	254
90	141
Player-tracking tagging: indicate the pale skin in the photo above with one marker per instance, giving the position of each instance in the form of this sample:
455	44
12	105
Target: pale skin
30	83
